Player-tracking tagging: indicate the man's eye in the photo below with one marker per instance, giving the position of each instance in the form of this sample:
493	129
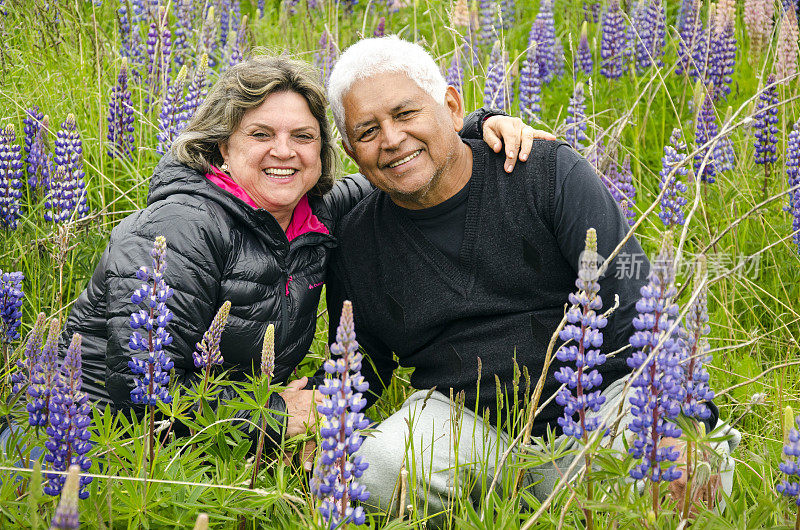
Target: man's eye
405	114
369	132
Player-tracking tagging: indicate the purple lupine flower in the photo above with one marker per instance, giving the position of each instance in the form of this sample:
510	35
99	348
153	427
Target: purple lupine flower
697	391
224	10
584	328
508	13
722	50
128	36
23	375
591	11
793	174
618	181
32	123
543	34
183	30
69	420
67	194
268	353
334	479
613	42
790	486
496	91
724	153
43	378
290	6
11	180
11	296
171	113
239	44
657	392
706	129
673	200
159	46
120	117
530	87
208	352
195	94
787	51
325	56
40	160
380	28
758	21
583	56
154	368
66	516
576	122
261	8
455	73
208	38
690	37
765	128
489	24
652	33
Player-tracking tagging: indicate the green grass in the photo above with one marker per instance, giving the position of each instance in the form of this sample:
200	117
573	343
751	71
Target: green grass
69	64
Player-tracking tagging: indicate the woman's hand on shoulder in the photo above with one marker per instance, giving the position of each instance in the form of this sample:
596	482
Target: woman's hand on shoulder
515	134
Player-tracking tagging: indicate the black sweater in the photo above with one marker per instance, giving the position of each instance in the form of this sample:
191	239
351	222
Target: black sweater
505	295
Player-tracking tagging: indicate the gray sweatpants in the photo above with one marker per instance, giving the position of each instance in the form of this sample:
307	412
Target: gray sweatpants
421	439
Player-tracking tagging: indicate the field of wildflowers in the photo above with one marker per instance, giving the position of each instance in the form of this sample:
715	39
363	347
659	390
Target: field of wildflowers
689	111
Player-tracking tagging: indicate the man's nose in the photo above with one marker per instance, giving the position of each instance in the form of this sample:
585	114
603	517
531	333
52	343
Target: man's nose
393	136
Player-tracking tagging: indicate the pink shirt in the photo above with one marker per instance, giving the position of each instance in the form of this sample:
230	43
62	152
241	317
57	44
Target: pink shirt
303	219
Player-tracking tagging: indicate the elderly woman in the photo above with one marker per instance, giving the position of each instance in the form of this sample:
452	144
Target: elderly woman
248	204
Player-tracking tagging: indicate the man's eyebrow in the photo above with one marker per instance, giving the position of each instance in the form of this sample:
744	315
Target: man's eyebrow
397	108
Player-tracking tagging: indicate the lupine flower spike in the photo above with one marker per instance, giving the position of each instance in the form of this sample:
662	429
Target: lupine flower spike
44	379
37	160
67	516
10	177
338	467
496	91
170	116
67	194
195	94
530	87
583	57
722	51
325	57
690	37
613	42
584	330
758	21
657	391
652	33
120	117
24	373
706	129
10	314
696	327
576	122
549	50
790	486
154	369
788	48
68	428
208	353
793	174
455	73
766	130
268	353
673	169
489	23
380	28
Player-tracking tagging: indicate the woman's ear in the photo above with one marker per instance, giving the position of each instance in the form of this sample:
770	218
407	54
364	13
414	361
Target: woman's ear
223	150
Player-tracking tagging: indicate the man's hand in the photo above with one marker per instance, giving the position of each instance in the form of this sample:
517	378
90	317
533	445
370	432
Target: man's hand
300	406
707	494
517	137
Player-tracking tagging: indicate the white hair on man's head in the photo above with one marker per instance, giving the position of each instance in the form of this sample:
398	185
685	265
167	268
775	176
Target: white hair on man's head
381	55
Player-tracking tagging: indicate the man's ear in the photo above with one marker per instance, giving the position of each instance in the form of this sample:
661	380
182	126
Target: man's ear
348	151
455	106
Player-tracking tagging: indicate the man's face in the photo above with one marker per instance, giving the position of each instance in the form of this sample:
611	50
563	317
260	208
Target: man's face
403	141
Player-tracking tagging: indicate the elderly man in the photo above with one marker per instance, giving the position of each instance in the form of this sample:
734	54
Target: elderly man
459	270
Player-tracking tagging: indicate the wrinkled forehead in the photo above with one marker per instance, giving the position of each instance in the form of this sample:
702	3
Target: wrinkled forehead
382	93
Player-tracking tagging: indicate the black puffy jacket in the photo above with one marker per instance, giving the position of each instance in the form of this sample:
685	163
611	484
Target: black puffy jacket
218	248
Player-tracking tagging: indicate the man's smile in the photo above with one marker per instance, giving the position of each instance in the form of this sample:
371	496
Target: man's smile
403	160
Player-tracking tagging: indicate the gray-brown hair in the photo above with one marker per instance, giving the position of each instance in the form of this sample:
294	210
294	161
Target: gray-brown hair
244	87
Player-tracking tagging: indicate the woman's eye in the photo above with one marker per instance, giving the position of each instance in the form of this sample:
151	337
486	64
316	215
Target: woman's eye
260	135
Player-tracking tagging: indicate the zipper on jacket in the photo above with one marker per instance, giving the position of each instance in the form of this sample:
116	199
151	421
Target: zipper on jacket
285	309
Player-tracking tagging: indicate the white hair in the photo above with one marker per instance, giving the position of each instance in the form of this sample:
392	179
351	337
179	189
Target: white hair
370	57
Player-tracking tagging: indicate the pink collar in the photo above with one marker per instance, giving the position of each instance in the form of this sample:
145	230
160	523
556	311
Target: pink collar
303	219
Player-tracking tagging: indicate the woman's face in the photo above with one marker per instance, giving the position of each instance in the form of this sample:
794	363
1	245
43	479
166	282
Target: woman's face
274	154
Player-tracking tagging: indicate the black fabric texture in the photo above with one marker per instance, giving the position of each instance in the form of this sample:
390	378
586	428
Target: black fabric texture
504	297
443	224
